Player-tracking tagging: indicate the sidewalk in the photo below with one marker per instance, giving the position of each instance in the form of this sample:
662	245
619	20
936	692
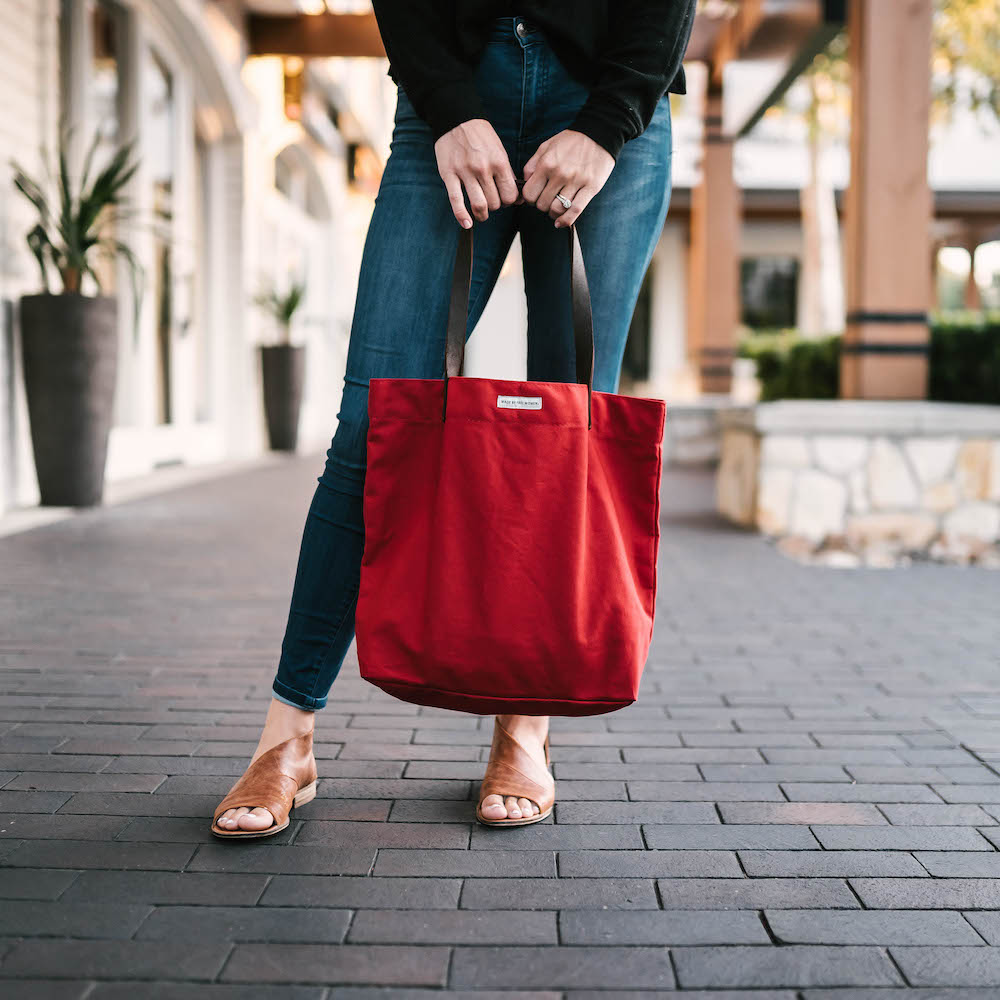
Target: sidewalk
803	805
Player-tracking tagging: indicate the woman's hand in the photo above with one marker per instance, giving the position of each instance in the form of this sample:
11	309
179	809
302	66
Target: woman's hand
571	164
471	156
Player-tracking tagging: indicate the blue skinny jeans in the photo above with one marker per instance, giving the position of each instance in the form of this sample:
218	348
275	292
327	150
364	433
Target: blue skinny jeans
402	307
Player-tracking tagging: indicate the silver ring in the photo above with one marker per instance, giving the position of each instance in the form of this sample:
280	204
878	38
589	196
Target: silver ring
564	201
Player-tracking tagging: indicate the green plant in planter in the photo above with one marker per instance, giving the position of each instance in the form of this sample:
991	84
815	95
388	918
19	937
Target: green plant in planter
70	236
70	339
283	367
283	306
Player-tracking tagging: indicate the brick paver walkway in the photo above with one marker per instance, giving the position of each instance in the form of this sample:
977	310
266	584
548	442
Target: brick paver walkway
804	804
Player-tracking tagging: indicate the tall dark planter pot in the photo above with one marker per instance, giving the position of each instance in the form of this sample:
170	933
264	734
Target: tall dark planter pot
69	344
283	367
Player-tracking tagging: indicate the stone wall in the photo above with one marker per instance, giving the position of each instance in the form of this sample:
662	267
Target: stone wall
850	481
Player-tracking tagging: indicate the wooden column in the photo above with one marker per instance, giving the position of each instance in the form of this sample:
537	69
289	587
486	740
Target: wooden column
713	257
888	207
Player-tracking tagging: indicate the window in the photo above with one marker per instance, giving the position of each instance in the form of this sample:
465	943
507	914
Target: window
768	291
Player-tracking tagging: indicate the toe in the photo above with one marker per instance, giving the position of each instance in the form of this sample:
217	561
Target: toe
493	807
513	809
256	819
527	807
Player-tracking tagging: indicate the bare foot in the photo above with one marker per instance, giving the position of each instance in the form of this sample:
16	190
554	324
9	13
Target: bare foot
530	731
282	723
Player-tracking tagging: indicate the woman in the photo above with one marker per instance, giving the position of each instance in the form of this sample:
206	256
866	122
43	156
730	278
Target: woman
573	98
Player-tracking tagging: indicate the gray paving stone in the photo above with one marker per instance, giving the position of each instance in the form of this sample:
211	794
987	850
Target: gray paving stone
835	755
95	854
939	815
703	791
616	968
928	894
635	812
73	781
911	994
804	791
687	995
550	836
836	864
346	834
730	836
396	993
47	989
807	813
34	883
165	887
389	788
662	927
129	804
74	959
648	864
336	964
732	739
462	927
987	924
292	860
477	864
960	864
773	772
29	826
31	801
32	918
918	838
561	894
874	927
755	893
792	965
661	771
313	924
980	794
362	893
941	966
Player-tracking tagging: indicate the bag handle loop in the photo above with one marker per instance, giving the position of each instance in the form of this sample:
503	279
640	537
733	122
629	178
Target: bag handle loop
458	311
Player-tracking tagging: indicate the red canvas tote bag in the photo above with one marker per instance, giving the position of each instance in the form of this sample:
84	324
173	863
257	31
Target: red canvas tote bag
511	532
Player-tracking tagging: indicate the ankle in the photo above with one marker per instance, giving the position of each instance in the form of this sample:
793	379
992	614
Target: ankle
536	726
283	716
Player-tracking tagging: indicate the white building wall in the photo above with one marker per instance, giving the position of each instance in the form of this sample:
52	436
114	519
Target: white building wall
29	67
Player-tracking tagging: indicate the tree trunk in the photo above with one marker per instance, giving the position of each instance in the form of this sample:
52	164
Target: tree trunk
821	287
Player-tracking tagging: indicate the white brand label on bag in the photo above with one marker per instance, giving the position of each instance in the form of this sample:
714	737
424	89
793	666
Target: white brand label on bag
519	402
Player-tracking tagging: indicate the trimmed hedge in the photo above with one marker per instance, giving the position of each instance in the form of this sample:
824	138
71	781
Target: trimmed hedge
964	361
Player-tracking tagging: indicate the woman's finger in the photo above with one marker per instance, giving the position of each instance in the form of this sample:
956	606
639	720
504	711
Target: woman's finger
506	184
581	200
477	198
454	188
553	185
570	193
489	188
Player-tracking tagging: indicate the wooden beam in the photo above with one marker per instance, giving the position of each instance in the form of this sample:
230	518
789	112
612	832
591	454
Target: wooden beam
713	258
734	37
888	204
314	35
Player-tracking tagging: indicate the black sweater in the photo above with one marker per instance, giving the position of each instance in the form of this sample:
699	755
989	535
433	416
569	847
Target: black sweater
628	52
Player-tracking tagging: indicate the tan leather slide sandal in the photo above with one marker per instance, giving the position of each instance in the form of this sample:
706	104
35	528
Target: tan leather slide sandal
512	771
278	780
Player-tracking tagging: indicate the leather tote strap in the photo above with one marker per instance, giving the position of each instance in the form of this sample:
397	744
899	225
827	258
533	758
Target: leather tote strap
458	310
